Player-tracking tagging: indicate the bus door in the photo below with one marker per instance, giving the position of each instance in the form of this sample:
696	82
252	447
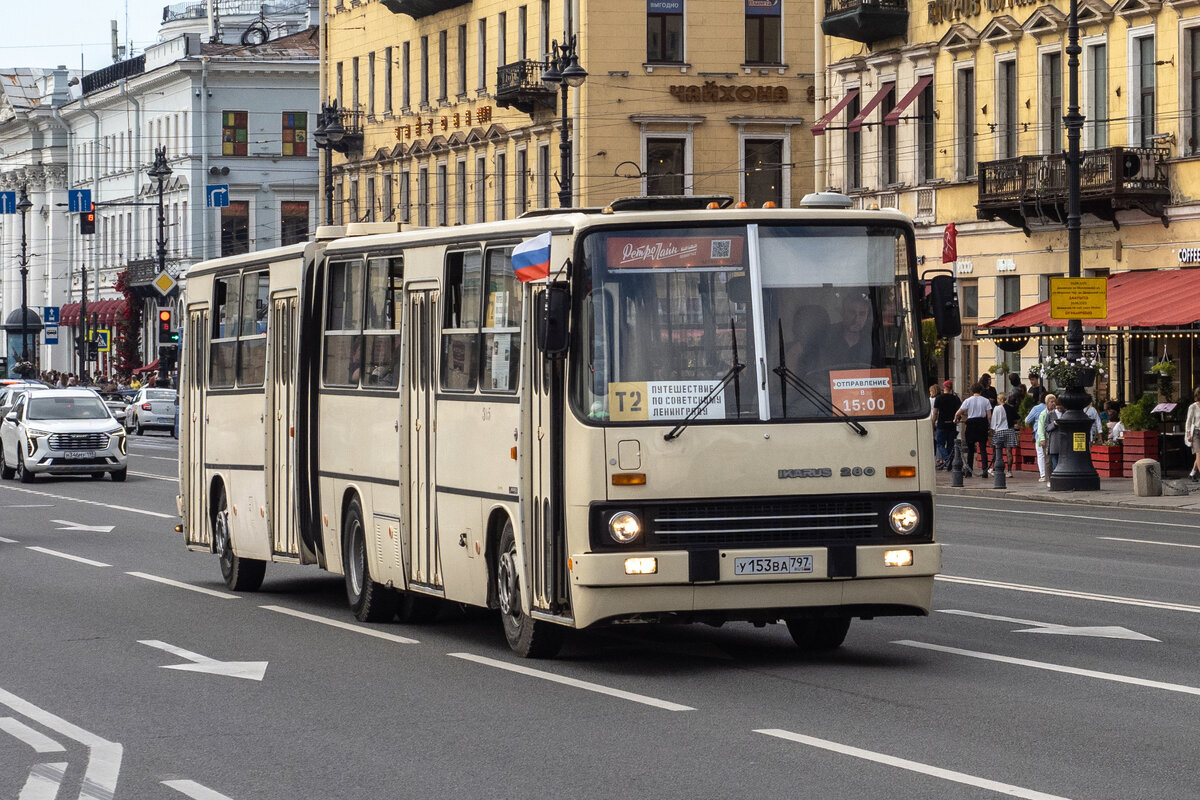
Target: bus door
423	554
191	442
281	489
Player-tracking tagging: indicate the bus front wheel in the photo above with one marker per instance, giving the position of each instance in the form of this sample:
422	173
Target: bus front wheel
240	574
818	635
370	601
529	638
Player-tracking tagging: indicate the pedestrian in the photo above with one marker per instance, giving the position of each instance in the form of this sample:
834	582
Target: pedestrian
1116	429
1191	433
934	391
1094	435
1036	390
1047	436
1004	433
945	406
989	391
976	412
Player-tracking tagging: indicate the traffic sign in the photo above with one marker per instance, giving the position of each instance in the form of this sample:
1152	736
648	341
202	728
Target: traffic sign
50	315
101	338
50	334
164	283
79	200
216	195
8	202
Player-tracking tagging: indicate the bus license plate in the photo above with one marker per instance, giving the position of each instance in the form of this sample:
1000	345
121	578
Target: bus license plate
773	565
80	454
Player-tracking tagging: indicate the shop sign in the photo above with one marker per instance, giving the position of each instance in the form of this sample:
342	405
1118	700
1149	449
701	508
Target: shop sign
963	267
712	92
1005	265
953	10
457	120
763	8
1189	255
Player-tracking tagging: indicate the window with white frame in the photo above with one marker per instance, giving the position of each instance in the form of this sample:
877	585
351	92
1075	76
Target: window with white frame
1193	78
1142	96
764	32
664	31
965	113
480	188
1052	103
853	148
543	178
764	171
521	182
1007	112
460	191
481	56
665	165
889	148
442	192
423	196
1096	95
501	181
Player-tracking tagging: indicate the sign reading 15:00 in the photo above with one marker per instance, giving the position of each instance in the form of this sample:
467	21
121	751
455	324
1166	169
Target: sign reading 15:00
862	391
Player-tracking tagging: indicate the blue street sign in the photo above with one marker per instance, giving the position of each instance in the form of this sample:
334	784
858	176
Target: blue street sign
50	334
216	195
8	202
100	337
50	315
79	200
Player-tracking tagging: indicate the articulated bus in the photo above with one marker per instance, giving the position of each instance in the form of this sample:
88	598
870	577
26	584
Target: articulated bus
692	414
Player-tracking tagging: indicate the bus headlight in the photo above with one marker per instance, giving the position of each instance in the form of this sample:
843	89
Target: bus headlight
904	518
624	527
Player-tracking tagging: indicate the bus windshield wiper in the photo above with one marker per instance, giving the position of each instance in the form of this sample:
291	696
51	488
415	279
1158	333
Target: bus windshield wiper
734	372
807	391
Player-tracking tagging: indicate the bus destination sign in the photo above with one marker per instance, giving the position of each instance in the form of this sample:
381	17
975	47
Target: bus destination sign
630	401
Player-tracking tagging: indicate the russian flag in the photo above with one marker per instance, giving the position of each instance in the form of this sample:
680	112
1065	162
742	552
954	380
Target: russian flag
531	258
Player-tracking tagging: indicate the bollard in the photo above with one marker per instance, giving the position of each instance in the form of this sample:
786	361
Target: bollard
956	464
998	481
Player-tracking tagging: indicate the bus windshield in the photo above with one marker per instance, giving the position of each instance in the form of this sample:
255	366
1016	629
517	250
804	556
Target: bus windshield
790	321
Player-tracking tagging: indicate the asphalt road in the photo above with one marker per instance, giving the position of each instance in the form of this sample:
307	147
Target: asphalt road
1060	663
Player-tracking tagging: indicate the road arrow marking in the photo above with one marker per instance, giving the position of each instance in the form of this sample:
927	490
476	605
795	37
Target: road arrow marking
1102	632
250	670
194	790
78	526
44	781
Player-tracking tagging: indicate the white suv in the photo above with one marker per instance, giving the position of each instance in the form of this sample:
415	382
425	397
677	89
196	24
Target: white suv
62	432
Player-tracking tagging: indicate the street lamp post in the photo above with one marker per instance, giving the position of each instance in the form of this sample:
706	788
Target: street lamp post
329	136
23	207
563	71
160	171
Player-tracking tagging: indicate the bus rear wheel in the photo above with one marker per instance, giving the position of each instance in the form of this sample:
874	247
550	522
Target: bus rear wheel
818	635
528	638
370	601
240	574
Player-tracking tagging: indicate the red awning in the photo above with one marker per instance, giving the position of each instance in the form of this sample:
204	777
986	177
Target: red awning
893	116
107	312
823	122
1151	298
151	367
857	123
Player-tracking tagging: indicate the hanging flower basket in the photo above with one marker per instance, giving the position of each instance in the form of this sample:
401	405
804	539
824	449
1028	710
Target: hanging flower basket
1067	374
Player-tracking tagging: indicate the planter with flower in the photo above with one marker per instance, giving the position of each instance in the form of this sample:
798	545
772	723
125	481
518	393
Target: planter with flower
1066	374
1165	371
1140	439
1108	459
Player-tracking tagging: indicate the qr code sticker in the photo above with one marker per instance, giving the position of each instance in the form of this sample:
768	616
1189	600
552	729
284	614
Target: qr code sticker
721	248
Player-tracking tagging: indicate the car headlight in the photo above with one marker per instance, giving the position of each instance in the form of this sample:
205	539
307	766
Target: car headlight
624	527
904	518
33	433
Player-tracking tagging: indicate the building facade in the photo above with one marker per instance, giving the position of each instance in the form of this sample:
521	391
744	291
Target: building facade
449	122
953	112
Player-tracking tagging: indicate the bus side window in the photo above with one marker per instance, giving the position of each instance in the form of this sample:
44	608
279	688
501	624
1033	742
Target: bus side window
252	337
223	350
342	364
382	328
501	324
460	321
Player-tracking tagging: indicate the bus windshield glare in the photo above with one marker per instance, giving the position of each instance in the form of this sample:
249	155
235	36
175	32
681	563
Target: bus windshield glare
747	323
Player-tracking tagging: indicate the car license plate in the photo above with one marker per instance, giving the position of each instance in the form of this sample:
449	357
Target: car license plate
80	454
773	565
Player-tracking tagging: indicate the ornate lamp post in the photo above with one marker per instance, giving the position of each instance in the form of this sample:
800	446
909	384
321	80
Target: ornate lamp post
23	207
329	136
160	171
563	71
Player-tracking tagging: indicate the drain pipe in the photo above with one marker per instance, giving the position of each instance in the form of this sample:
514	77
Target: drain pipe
95	270
204	215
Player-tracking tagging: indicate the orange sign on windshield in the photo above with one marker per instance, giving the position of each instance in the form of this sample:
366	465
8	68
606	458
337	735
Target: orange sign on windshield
862	392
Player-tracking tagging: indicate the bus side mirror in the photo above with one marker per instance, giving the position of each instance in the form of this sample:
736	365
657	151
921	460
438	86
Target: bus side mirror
943	306
554	309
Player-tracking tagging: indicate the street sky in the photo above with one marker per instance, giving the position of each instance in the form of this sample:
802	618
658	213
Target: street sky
46	33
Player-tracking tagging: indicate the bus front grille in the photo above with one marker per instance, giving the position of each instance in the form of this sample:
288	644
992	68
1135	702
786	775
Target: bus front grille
740	523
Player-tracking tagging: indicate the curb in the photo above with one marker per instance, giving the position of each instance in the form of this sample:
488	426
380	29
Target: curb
1074	498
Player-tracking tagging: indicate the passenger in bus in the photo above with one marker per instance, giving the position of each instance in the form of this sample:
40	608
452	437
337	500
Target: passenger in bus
852	343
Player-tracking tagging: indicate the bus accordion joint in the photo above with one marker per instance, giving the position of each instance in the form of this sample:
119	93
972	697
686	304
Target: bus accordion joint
900	472
629	479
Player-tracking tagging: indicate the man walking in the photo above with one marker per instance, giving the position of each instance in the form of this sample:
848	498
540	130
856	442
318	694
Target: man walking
976	411
945	407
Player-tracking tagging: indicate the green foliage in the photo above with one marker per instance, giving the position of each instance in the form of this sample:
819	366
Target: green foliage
1137	416
1023	410
1165	369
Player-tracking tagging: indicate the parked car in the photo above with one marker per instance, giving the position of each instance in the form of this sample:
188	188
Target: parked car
151	408
61	431
116	403
12	392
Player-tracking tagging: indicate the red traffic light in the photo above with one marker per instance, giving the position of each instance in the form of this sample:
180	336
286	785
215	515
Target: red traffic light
164	315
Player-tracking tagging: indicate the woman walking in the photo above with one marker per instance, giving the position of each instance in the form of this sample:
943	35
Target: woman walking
1191	433
1004	433
1047	435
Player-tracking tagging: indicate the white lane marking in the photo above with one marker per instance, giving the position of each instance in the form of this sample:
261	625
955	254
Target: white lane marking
39	741
33	505
1008	511
79	526
43	782
154	477
578	684
156	458
1148	541
195	790
80	559
1086	673
1098	631
250	670
346	626
8	541
1101	598
104	757
912	766
92	503
188	586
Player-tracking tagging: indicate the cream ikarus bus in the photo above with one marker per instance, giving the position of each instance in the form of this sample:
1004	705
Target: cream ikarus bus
699	414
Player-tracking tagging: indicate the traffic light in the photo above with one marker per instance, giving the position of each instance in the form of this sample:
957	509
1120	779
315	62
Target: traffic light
166	327
87	221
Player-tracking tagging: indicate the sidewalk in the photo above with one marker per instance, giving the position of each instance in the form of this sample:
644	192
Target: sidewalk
1114	492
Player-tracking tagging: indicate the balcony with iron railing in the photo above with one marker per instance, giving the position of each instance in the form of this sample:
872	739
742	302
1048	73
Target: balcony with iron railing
101	78
1035	188
519	85
198	9
420	8
865	21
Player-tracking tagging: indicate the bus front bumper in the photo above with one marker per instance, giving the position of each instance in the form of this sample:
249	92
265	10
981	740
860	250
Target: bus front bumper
602	589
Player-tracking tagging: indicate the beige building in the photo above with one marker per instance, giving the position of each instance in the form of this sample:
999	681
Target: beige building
449	121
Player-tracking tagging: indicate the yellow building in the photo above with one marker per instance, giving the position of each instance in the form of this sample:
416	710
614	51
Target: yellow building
952	110
450	122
